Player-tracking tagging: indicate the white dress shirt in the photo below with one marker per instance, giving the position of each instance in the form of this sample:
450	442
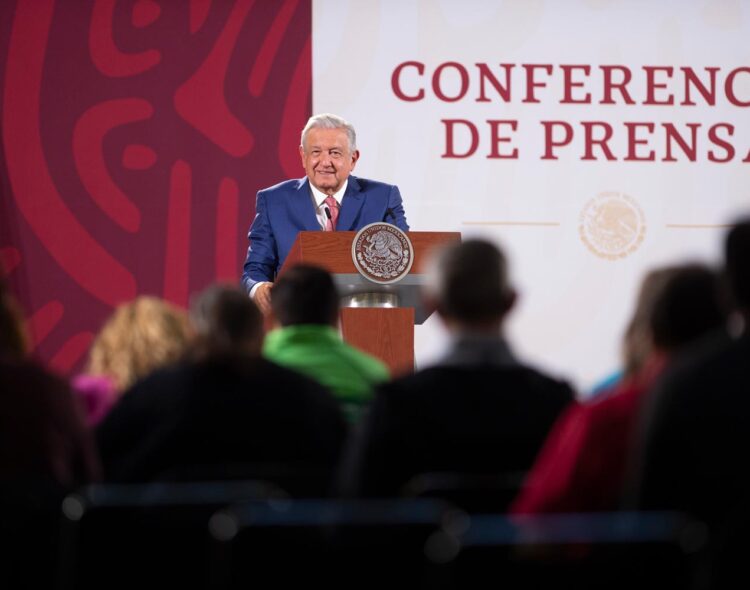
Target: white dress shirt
319	201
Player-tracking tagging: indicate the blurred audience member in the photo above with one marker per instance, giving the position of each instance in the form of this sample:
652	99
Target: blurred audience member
697	430
583	462
305	306
637	342
45	451
480	410
139	337
225	324
43	437
224	411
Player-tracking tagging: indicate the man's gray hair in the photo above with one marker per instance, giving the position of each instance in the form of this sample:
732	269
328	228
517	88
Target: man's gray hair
329	121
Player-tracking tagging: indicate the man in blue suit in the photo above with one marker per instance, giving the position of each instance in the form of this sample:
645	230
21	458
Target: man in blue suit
327	199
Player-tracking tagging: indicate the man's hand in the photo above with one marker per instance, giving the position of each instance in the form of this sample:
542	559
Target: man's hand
262	297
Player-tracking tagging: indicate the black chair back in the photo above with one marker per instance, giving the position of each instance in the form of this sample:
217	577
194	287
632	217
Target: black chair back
576	551
333	544
128	536
472	492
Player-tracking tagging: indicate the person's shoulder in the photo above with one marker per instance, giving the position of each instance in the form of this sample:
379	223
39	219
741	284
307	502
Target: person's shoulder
366	362
716	365
265	368
546	382
424	382
244	371
616	407
701	359
174	374
292	389
290	185
520	378
153	390
32	381
445	382
28	371
369	185
287	381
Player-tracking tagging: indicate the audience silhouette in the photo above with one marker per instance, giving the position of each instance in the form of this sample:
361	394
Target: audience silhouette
172	397
224	411
583	462
479	410
305	307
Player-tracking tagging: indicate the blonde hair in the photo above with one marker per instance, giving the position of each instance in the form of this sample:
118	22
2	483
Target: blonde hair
139	336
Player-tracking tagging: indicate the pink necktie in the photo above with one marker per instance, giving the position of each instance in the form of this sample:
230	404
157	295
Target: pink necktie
333	207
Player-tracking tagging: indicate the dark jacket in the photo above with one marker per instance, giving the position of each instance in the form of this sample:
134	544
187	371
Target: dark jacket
477	419
220	412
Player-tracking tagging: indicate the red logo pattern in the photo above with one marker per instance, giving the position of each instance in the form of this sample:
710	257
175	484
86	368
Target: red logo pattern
135	135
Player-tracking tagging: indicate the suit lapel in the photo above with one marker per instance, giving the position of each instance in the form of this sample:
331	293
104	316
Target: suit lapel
302	207
350	206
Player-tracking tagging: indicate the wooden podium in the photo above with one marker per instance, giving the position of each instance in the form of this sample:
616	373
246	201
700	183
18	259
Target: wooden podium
386	332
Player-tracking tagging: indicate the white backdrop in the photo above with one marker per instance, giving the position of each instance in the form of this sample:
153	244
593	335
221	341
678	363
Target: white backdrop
579	233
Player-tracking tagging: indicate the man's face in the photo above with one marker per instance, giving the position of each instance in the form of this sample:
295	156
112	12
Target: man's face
327	159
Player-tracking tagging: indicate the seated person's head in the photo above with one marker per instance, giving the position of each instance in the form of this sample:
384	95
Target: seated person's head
467	284
305	295
675	305
226	321
638	342
138	338
14	342
737	262
689	305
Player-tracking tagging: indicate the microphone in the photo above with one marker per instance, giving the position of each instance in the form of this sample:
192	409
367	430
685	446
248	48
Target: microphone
328	215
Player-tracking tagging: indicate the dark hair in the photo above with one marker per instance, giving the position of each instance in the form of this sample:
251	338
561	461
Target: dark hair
638	341
691	303
226	321
305	295
737	260
471	282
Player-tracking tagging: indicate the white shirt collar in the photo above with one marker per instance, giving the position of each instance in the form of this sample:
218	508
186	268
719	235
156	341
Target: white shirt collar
319	197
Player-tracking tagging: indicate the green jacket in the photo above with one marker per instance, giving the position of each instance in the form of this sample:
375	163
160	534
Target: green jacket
319	352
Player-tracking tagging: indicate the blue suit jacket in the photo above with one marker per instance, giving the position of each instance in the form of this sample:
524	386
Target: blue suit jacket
287	208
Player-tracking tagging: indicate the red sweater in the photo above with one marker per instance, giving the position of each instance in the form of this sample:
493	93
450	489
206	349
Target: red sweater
582	464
